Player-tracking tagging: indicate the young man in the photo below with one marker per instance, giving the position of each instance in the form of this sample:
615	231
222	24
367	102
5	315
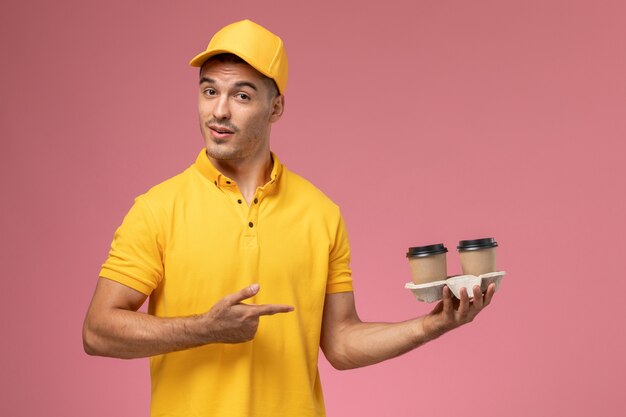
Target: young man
235	237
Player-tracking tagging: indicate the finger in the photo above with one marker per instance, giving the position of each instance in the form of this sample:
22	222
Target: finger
489	295
271	309
448	307
478	297
464	305
243	294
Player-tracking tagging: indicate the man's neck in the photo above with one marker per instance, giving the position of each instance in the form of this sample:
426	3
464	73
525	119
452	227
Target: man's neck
248	175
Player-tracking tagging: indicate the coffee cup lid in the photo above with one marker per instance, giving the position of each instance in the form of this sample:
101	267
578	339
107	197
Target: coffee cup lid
475	244
427	250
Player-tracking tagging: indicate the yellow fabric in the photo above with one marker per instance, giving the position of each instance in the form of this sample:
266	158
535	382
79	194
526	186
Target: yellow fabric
188	242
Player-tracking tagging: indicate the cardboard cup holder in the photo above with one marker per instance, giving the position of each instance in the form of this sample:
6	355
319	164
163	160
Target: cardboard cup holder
433	291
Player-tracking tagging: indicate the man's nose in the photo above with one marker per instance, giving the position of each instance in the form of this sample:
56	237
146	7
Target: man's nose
222	108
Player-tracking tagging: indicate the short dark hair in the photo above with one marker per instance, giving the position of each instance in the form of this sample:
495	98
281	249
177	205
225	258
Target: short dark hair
235	59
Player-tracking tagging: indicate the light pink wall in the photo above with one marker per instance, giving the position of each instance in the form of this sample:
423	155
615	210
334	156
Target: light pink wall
427	121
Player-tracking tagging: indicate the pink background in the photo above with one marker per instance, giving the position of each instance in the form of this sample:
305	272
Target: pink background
427	121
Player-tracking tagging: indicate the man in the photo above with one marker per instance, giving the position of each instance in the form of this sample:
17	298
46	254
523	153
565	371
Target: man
235	237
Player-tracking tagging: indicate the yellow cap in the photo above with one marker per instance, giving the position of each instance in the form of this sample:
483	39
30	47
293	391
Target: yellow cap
251	42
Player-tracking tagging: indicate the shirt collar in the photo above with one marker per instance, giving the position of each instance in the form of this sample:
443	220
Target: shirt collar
208	170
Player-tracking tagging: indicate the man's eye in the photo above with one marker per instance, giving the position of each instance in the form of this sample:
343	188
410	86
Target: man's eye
209	92
243	96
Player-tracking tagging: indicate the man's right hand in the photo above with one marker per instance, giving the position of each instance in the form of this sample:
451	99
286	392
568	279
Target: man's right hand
231	321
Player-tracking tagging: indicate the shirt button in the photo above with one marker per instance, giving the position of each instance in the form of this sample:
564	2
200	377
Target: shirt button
251	224
256	200
239	201
227	182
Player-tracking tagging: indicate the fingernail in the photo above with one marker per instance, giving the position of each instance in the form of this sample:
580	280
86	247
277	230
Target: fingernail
254	287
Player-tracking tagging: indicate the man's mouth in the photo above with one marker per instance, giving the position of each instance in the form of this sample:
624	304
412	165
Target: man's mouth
220	129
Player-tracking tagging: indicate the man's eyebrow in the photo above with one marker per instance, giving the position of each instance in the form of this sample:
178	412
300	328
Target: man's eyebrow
246	84
238	84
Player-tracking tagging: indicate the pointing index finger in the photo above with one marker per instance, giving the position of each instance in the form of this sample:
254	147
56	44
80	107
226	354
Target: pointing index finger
271	309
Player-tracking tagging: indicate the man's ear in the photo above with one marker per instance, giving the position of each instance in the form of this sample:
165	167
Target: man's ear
278	107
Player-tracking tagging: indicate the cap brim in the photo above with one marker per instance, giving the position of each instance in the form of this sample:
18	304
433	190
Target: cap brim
200	59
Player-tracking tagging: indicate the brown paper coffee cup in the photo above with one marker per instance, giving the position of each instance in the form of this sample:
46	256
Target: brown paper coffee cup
478	256
428	263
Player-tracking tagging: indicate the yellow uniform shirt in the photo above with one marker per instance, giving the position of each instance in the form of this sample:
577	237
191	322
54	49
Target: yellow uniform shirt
193	239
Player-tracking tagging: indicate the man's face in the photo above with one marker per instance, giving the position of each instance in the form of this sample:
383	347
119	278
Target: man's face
236	108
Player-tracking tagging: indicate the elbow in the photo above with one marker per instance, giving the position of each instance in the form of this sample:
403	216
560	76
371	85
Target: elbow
343	366
96	342
340	360
89	345
89	349
92	344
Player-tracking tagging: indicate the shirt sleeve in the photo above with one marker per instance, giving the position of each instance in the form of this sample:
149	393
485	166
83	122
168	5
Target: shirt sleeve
339	272
136	255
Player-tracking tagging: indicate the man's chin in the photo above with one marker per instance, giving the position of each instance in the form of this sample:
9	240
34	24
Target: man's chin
221	153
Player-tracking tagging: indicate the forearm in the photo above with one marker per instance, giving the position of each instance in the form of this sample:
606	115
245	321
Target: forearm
130	334
348	342
362	344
